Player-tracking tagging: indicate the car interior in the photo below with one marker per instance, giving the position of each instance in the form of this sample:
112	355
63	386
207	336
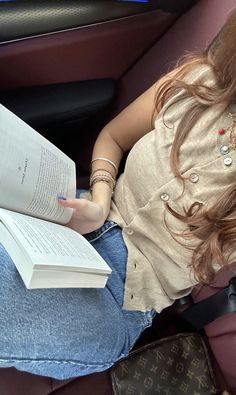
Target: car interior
67	68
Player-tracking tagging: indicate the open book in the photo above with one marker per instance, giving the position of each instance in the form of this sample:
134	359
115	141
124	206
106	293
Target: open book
33	173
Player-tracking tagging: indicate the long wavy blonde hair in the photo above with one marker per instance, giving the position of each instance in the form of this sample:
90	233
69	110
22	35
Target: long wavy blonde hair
214	226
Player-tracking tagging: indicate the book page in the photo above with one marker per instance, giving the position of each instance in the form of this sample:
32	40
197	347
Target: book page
50	245
33	172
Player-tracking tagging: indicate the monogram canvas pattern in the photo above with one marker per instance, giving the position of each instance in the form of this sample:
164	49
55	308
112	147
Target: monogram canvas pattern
178	365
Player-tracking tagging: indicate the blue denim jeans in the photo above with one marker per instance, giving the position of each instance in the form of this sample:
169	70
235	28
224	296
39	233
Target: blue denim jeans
63	333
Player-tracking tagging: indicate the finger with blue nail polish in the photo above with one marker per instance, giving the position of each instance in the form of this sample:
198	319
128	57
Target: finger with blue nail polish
61	197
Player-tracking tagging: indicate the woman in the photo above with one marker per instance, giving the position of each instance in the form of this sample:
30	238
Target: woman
170	222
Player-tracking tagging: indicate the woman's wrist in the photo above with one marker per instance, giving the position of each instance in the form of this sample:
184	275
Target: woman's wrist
102	182
102	176
101	195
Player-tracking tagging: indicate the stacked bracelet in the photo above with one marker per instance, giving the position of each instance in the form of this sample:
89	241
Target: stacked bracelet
102	177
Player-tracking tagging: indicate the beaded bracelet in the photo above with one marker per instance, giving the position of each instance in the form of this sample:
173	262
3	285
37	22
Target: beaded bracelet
106	175
101	179
102	176
101	169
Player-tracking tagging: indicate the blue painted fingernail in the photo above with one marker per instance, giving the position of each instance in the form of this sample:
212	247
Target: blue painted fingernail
61	197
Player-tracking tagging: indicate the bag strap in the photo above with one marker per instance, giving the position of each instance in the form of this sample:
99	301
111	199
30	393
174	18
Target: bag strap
207	310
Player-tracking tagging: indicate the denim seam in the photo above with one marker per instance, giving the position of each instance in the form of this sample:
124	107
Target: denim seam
102	233
58	362
147	321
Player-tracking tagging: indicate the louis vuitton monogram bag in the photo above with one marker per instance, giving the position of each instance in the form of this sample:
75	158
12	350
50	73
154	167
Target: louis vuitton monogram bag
177	365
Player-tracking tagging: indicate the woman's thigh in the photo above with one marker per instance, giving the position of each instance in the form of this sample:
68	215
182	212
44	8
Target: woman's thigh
64	333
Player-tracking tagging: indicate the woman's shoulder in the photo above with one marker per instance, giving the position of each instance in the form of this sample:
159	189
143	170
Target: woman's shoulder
178	103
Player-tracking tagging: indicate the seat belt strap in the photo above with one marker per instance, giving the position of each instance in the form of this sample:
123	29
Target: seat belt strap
222	302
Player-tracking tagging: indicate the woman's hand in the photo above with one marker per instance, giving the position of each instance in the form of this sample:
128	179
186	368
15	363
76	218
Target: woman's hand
87	215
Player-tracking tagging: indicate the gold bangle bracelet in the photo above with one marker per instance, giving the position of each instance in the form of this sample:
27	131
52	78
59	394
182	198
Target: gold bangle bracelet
106	160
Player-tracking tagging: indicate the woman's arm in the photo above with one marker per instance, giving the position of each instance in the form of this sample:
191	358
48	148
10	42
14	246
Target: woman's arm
117	137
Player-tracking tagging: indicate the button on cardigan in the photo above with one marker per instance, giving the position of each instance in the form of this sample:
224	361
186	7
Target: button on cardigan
158	267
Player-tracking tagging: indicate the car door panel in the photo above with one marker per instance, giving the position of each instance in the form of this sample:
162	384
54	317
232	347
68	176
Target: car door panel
55	104
24	18
102	50
19	19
